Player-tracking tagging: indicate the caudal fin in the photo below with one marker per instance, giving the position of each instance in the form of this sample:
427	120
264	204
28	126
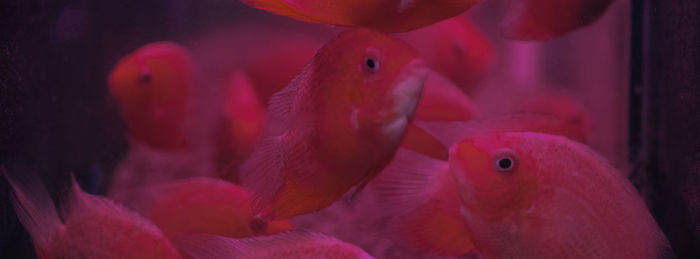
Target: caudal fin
34	207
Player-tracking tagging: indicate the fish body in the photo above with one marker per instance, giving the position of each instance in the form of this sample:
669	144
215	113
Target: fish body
205	205
241	126
336	125
456	49
547	19
285	56
92	226
290	244
153	86
382	15
533	195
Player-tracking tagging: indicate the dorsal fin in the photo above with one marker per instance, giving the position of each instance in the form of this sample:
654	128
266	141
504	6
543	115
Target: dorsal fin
405	183
281	103
34	207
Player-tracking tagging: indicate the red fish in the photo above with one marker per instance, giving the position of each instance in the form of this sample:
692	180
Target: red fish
440	101
336	125
290	244
382	15
153	86
273	66
456	49
205	205
546	19
241	126
92	226
533	195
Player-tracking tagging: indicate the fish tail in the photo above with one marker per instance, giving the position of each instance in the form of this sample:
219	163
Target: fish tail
34	207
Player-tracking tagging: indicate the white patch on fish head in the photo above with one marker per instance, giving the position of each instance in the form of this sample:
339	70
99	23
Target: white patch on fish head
408	89
395	128
404	5
353	118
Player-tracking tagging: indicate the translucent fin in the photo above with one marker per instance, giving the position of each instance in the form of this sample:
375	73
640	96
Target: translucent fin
281	103
406	182
34	207
202	246
261	174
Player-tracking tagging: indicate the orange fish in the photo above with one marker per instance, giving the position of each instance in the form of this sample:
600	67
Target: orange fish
290	244
241	126
419	194
456	49
533	195
153	86
441	101
546	19
205	205
382	15
92	226
336	125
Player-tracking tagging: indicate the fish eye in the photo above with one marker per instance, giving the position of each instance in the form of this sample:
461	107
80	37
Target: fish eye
145	77
372	64
505	161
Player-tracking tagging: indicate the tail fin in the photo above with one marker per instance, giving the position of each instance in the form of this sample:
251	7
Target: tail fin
34	207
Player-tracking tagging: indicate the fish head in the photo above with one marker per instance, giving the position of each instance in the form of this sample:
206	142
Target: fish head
159	74
381	80
495	176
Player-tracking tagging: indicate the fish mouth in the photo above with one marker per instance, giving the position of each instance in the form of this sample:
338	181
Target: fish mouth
408	88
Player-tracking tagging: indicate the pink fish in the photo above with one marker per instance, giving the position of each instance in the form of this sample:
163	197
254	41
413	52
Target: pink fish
546	19
290	244
533	195
89	227
153	86
336	125
382	15
456	49
241	126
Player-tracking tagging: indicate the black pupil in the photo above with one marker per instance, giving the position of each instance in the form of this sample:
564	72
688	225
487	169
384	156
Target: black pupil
146	77
505	163
370	63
